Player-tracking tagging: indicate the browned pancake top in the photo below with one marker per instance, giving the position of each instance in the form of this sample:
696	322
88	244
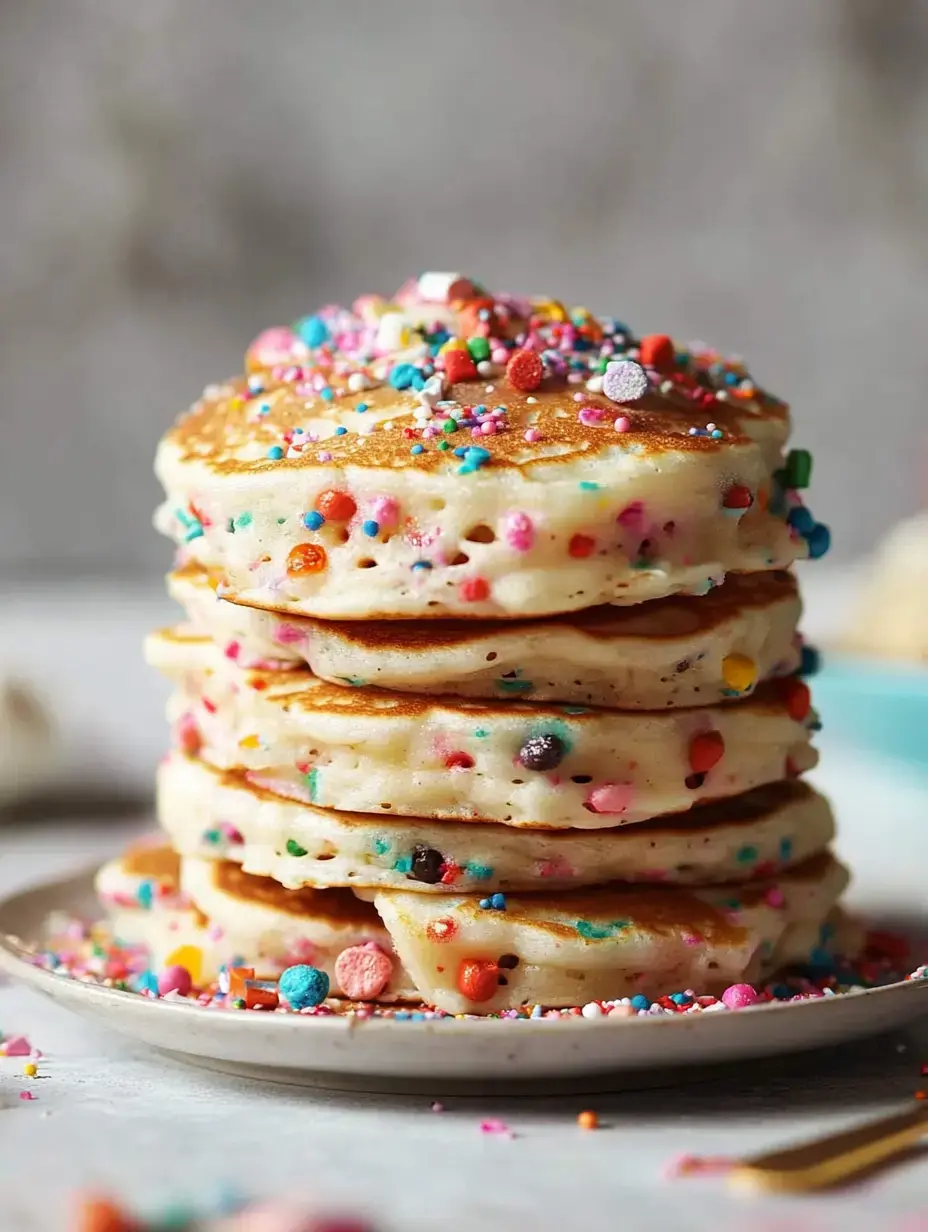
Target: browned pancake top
340	906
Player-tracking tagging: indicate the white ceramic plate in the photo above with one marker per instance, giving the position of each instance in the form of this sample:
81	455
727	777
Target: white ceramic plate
287	1047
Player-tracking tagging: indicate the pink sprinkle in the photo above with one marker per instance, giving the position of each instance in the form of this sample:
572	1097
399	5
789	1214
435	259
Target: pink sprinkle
494	1126
233	650
611	798
16	1046
488	427
739	996
437	1106
27	1095
174	979
631	515
520	531
775	897
385	510
592	416
532	435
499	355
622	1011
622	424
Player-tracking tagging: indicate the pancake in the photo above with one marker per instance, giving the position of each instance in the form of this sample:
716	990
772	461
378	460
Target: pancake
611	942
370	751
206	915
367	467
672	652
218	814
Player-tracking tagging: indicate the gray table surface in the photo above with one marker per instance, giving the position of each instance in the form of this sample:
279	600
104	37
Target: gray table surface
111	1114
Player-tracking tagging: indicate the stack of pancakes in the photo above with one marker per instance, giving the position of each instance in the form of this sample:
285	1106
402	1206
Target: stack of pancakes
490	662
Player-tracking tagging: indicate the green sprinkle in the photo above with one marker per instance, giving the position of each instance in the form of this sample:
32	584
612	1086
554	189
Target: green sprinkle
450	425
443	445
798	468
313	780
243	520
479	872
294	848
481	733
479	349
747	855
280	521
595	932
587	485
381	846
515	686
403	864
355	681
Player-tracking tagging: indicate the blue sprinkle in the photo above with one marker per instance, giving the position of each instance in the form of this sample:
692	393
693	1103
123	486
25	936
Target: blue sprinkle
313	331
147	982
361	408
146	894
786	848
275	452
587	486
422	564
495	902
328	394
460	451
717	434
403	375
680	998
371	528
782	992
640	1002
819	540
801	519
417	449
303	986
811	662
313	520
340	431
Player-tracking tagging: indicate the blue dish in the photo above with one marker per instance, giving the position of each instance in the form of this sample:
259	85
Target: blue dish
880	707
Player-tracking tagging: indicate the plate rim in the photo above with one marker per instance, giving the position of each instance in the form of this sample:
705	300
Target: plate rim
14	960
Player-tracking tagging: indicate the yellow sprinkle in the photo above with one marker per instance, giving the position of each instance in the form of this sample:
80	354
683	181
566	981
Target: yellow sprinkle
30	1069
249	742
453	344
738	672
189	956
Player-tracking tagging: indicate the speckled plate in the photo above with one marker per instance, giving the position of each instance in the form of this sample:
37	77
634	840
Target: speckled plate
290	1048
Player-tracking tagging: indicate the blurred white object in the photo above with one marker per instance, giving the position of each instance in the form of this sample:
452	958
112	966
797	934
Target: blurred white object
28	743
891	617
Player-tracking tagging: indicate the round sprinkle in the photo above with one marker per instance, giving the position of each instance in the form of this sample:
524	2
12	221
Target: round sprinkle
625	381
705	751
738	496
174	979
622	424
275	453
520	531
313	520
738	672
738	996
797	698
610	798
428	865
335	506
657	351
474	590
478	979
371	528
303	986
306	558
403	375
362	972
588	1120
30	1069
525	370
542	752
313	331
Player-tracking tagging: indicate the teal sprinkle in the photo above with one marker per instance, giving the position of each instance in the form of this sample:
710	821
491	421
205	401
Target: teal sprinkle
733	904
355	681
243	520
313	780
786	848
195	532
381	846
747	855
146	894
210	836
403	864
515	686
593	932
587	486
481	733
479	872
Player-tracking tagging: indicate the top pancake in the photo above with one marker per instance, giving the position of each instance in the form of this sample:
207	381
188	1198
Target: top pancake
341	478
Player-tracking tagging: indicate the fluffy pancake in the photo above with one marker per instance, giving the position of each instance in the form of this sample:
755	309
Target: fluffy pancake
367	750
612	942
206	914
672	652
366	468
219	815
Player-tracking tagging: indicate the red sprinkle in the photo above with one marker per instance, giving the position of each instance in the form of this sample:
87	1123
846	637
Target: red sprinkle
441	930
474	590
525	369
796	697
657	351
706	751
737	497
478	979
459	761
581	545
335	506
459	366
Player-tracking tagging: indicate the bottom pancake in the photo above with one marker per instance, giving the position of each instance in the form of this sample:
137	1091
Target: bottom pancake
206	915
468	955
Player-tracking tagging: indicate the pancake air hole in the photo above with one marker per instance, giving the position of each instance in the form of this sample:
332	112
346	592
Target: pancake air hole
481	534
461	559
367	563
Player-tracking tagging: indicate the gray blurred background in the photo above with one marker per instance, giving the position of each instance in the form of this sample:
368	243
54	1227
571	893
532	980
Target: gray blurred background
175	176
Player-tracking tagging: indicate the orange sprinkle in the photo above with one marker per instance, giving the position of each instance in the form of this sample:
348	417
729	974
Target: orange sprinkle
306	558
588	1120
